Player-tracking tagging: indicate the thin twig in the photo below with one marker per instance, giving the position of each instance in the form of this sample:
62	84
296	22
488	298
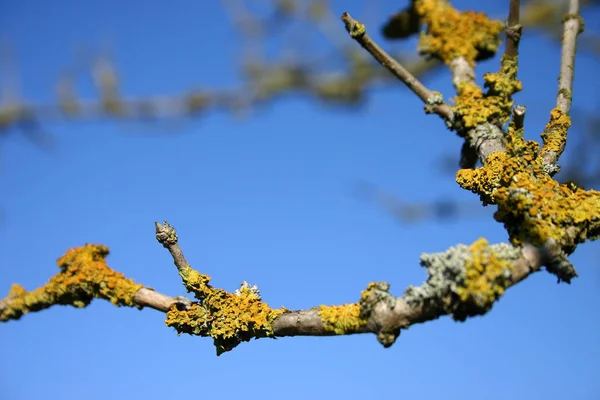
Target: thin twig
555	135
165	234
433	100
572	27
513	29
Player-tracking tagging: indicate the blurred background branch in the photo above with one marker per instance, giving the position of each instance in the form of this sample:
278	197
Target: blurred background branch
342	77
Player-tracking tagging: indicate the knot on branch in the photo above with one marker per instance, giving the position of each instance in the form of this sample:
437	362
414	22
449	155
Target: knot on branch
377	305
513	32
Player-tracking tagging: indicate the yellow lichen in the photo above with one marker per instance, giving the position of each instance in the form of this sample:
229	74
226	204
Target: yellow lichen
555	135
531	204
484	181
342	319
194	281
485	277
550	210
451	34
228	318
495	105
84	275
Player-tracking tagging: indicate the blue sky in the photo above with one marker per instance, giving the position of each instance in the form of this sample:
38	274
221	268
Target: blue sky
267	199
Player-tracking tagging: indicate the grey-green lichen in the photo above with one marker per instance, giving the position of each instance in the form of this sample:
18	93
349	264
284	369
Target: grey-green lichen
435	98
464	280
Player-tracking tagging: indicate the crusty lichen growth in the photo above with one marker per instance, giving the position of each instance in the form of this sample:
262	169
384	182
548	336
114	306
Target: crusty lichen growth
476	107
351	318
83	276
342	319
486	277
229	318
554	136
532	205
451	34
464	280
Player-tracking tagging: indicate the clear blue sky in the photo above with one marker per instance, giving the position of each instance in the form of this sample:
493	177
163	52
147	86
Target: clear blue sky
268	200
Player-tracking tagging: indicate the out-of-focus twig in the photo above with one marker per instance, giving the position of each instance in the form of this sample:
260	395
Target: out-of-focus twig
434	102
573	26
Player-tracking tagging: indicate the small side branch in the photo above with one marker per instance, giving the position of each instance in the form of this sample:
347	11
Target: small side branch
573	25
555	134
166	235
513	29
433	100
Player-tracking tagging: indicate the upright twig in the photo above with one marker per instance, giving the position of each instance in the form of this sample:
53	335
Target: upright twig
434	102
573	25
166	235
555	135
513	29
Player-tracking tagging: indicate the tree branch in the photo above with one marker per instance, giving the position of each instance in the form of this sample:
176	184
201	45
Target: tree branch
434	102
463	281
513	29
573	26
148	297
555	135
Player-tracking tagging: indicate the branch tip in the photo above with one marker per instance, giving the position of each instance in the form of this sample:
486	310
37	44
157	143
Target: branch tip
355	28
357	31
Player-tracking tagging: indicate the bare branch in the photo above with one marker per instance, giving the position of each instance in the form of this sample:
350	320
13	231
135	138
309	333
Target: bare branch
573	25
434	102
462	72
513	29
148	297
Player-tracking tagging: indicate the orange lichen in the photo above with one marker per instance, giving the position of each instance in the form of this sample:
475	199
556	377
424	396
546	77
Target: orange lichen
485	277
545	209
555	135
495	105
532	205
451	34
228	318
84	275
342	319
